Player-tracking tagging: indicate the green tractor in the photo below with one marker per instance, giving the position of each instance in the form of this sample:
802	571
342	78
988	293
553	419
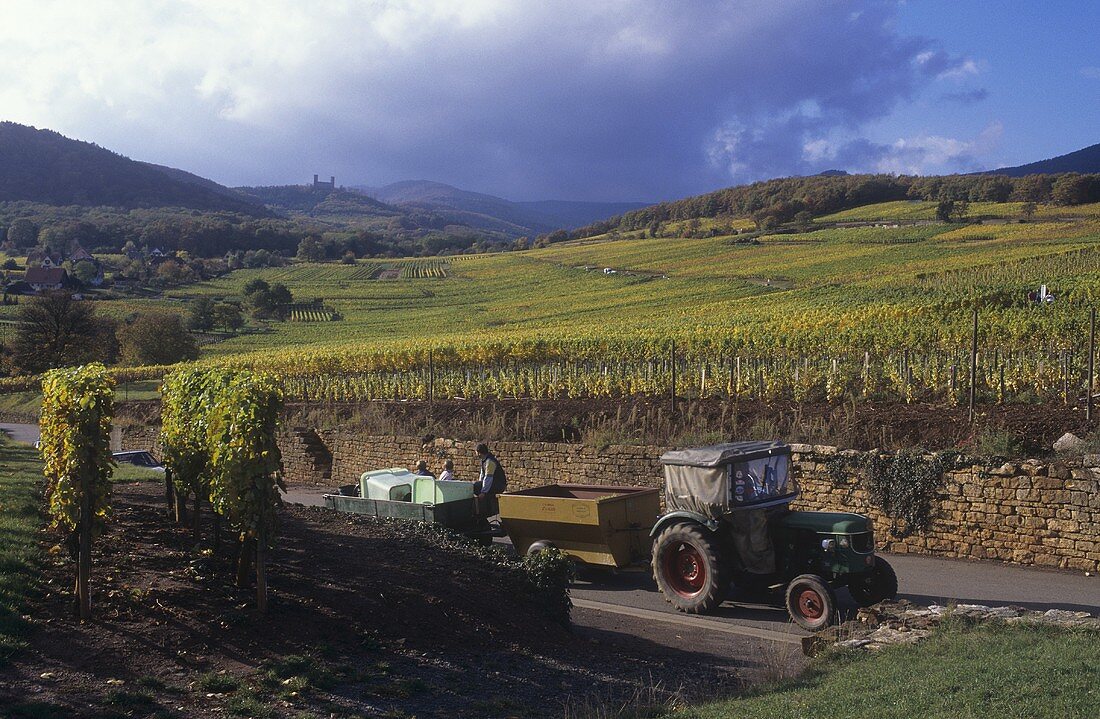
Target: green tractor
727	523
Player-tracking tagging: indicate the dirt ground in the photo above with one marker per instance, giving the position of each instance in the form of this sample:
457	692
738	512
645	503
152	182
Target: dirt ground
365	620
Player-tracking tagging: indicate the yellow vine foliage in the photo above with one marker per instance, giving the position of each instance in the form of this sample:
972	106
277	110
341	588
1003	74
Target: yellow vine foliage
77	408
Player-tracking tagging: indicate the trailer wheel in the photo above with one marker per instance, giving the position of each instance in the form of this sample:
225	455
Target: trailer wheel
811	602
688	568
539	546
876	585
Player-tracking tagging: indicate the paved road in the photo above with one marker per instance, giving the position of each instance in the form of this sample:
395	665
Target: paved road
23	433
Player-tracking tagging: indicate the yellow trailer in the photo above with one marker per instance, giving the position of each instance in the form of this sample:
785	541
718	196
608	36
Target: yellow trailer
595	524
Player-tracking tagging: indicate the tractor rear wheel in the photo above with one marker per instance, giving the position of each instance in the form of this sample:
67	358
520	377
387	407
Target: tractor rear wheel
811	602
688	568
876	585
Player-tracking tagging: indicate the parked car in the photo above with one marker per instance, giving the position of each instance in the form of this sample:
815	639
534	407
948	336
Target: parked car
139	458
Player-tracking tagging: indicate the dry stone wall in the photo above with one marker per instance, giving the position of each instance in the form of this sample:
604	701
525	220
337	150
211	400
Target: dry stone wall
1030	512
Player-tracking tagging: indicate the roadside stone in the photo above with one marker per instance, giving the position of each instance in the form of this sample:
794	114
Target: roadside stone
1068	442
1064	615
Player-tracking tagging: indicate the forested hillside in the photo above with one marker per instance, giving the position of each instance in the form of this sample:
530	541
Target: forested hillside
1083	160
44	166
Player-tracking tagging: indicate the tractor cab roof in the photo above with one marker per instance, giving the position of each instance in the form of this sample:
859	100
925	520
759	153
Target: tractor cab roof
716	455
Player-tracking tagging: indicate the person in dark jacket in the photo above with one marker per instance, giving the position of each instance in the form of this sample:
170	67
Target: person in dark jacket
491	482
422	470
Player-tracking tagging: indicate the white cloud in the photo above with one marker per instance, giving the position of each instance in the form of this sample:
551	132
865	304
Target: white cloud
618	99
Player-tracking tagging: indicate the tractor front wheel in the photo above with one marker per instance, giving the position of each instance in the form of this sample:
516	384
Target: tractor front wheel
687	565
811	602
876	585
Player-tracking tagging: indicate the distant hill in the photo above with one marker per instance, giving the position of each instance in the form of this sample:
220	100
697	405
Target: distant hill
45	167
353	210
495	213
1085	161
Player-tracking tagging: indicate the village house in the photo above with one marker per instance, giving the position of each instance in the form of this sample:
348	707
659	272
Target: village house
46	279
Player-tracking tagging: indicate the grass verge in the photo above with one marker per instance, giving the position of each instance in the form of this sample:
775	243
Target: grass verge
20	519
960	671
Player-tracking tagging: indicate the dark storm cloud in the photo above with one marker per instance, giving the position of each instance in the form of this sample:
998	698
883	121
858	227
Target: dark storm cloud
628	99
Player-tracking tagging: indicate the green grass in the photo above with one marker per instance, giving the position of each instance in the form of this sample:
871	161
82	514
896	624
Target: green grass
958	673
20	557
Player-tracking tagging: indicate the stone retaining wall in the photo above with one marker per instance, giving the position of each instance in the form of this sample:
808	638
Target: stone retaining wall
1034	513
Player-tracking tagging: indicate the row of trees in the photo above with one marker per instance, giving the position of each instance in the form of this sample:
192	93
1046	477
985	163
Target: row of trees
105	230
219	445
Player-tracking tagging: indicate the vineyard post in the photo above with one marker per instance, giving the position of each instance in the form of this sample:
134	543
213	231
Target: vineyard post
1065	378
672	364
973	364
1092	362
431	377
84	568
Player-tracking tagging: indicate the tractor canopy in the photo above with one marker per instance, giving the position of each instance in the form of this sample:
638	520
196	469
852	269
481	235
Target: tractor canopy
715	480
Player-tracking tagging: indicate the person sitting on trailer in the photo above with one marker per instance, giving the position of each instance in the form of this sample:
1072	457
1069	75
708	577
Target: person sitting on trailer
448	473
422	470
491	483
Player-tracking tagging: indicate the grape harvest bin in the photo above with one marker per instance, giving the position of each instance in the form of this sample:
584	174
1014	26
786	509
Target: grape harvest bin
602	525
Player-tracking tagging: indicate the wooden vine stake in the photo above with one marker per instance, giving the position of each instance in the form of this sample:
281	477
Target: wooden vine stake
77	407
245	465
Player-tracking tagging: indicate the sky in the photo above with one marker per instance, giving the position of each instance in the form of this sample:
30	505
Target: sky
603	100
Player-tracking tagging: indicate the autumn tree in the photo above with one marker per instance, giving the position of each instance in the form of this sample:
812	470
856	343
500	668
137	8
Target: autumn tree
57	331
154	339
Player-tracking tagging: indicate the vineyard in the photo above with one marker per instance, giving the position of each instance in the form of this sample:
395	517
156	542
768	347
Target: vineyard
836	312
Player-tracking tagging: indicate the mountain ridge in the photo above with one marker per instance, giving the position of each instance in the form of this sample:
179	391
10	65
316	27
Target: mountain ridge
1086	161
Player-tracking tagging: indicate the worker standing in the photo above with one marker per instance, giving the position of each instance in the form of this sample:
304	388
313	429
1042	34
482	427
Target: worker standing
448	473
491	482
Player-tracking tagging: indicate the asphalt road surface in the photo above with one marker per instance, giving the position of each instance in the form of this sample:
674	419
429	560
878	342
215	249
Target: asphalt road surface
24	433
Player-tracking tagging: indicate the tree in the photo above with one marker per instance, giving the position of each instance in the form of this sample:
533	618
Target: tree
256	285
804	218
228	316
77	408
949	210
200	314
23	233
85	271
156	339
1074	189
1027	210
10	264
348	258
57	331
310	249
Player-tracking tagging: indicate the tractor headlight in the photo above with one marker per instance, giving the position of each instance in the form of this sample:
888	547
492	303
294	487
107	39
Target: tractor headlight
828	544
845	542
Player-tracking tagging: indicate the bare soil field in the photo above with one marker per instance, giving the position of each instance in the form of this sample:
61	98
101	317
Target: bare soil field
367	618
